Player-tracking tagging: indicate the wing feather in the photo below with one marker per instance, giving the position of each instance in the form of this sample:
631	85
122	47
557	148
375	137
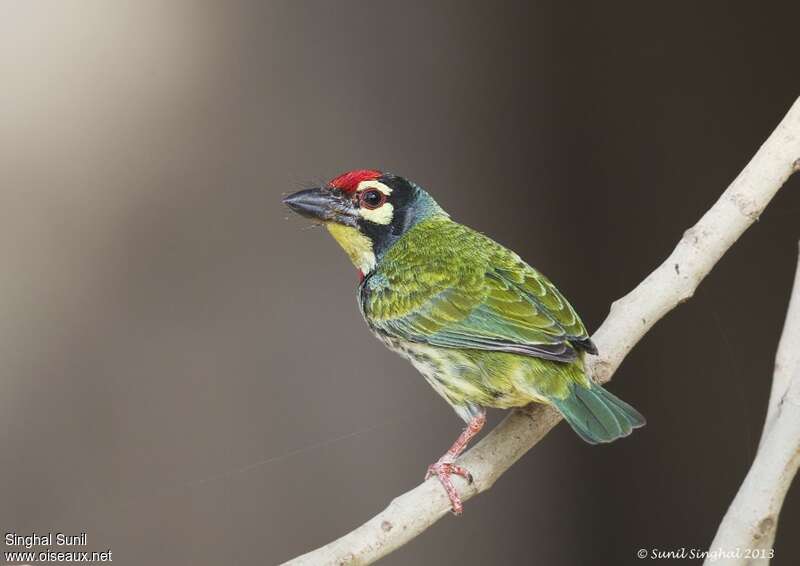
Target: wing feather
462	290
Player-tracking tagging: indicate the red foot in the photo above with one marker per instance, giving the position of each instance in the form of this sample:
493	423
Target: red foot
443	469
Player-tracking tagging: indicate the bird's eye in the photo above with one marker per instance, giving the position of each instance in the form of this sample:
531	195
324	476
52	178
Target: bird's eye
372	199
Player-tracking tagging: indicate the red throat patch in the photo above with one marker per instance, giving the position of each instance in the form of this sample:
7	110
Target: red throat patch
348	182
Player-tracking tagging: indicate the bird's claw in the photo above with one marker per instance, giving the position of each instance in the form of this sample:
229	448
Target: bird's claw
443	469
448	468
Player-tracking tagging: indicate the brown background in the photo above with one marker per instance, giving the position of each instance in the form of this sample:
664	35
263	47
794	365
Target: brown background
184	372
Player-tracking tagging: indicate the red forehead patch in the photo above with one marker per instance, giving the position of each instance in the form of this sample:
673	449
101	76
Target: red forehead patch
348	182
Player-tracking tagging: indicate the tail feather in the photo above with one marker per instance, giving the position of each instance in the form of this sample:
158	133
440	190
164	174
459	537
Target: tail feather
597	415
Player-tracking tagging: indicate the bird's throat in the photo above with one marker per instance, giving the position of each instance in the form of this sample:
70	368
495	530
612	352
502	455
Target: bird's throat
355	244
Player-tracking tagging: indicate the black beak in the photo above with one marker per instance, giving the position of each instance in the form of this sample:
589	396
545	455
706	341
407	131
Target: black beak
324	205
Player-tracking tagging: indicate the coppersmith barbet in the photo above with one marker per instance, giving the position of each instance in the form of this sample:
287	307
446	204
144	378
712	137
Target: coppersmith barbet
483	327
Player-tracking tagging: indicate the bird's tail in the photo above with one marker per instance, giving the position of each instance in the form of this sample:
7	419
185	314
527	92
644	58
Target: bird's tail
597	415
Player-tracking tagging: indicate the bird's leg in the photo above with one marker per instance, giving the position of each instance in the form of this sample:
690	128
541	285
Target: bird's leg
445	466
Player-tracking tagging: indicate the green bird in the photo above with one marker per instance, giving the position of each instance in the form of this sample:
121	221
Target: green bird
483	327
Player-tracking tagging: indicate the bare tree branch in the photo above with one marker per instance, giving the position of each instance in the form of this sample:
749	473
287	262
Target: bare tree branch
672	283
747	533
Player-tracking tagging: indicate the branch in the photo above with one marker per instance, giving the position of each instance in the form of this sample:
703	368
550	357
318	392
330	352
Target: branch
747	532
672	283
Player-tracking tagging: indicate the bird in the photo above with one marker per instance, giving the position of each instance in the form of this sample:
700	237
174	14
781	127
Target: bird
483	327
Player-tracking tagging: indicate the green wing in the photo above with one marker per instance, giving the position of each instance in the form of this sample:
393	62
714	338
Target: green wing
446	285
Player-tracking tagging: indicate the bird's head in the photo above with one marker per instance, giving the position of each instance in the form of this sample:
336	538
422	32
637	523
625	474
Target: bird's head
366	211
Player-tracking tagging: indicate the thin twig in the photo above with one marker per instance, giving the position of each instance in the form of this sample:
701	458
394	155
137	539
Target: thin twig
747	532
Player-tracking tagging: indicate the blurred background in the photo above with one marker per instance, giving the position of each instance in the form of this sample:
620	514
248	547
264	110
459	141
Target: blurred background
185	375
